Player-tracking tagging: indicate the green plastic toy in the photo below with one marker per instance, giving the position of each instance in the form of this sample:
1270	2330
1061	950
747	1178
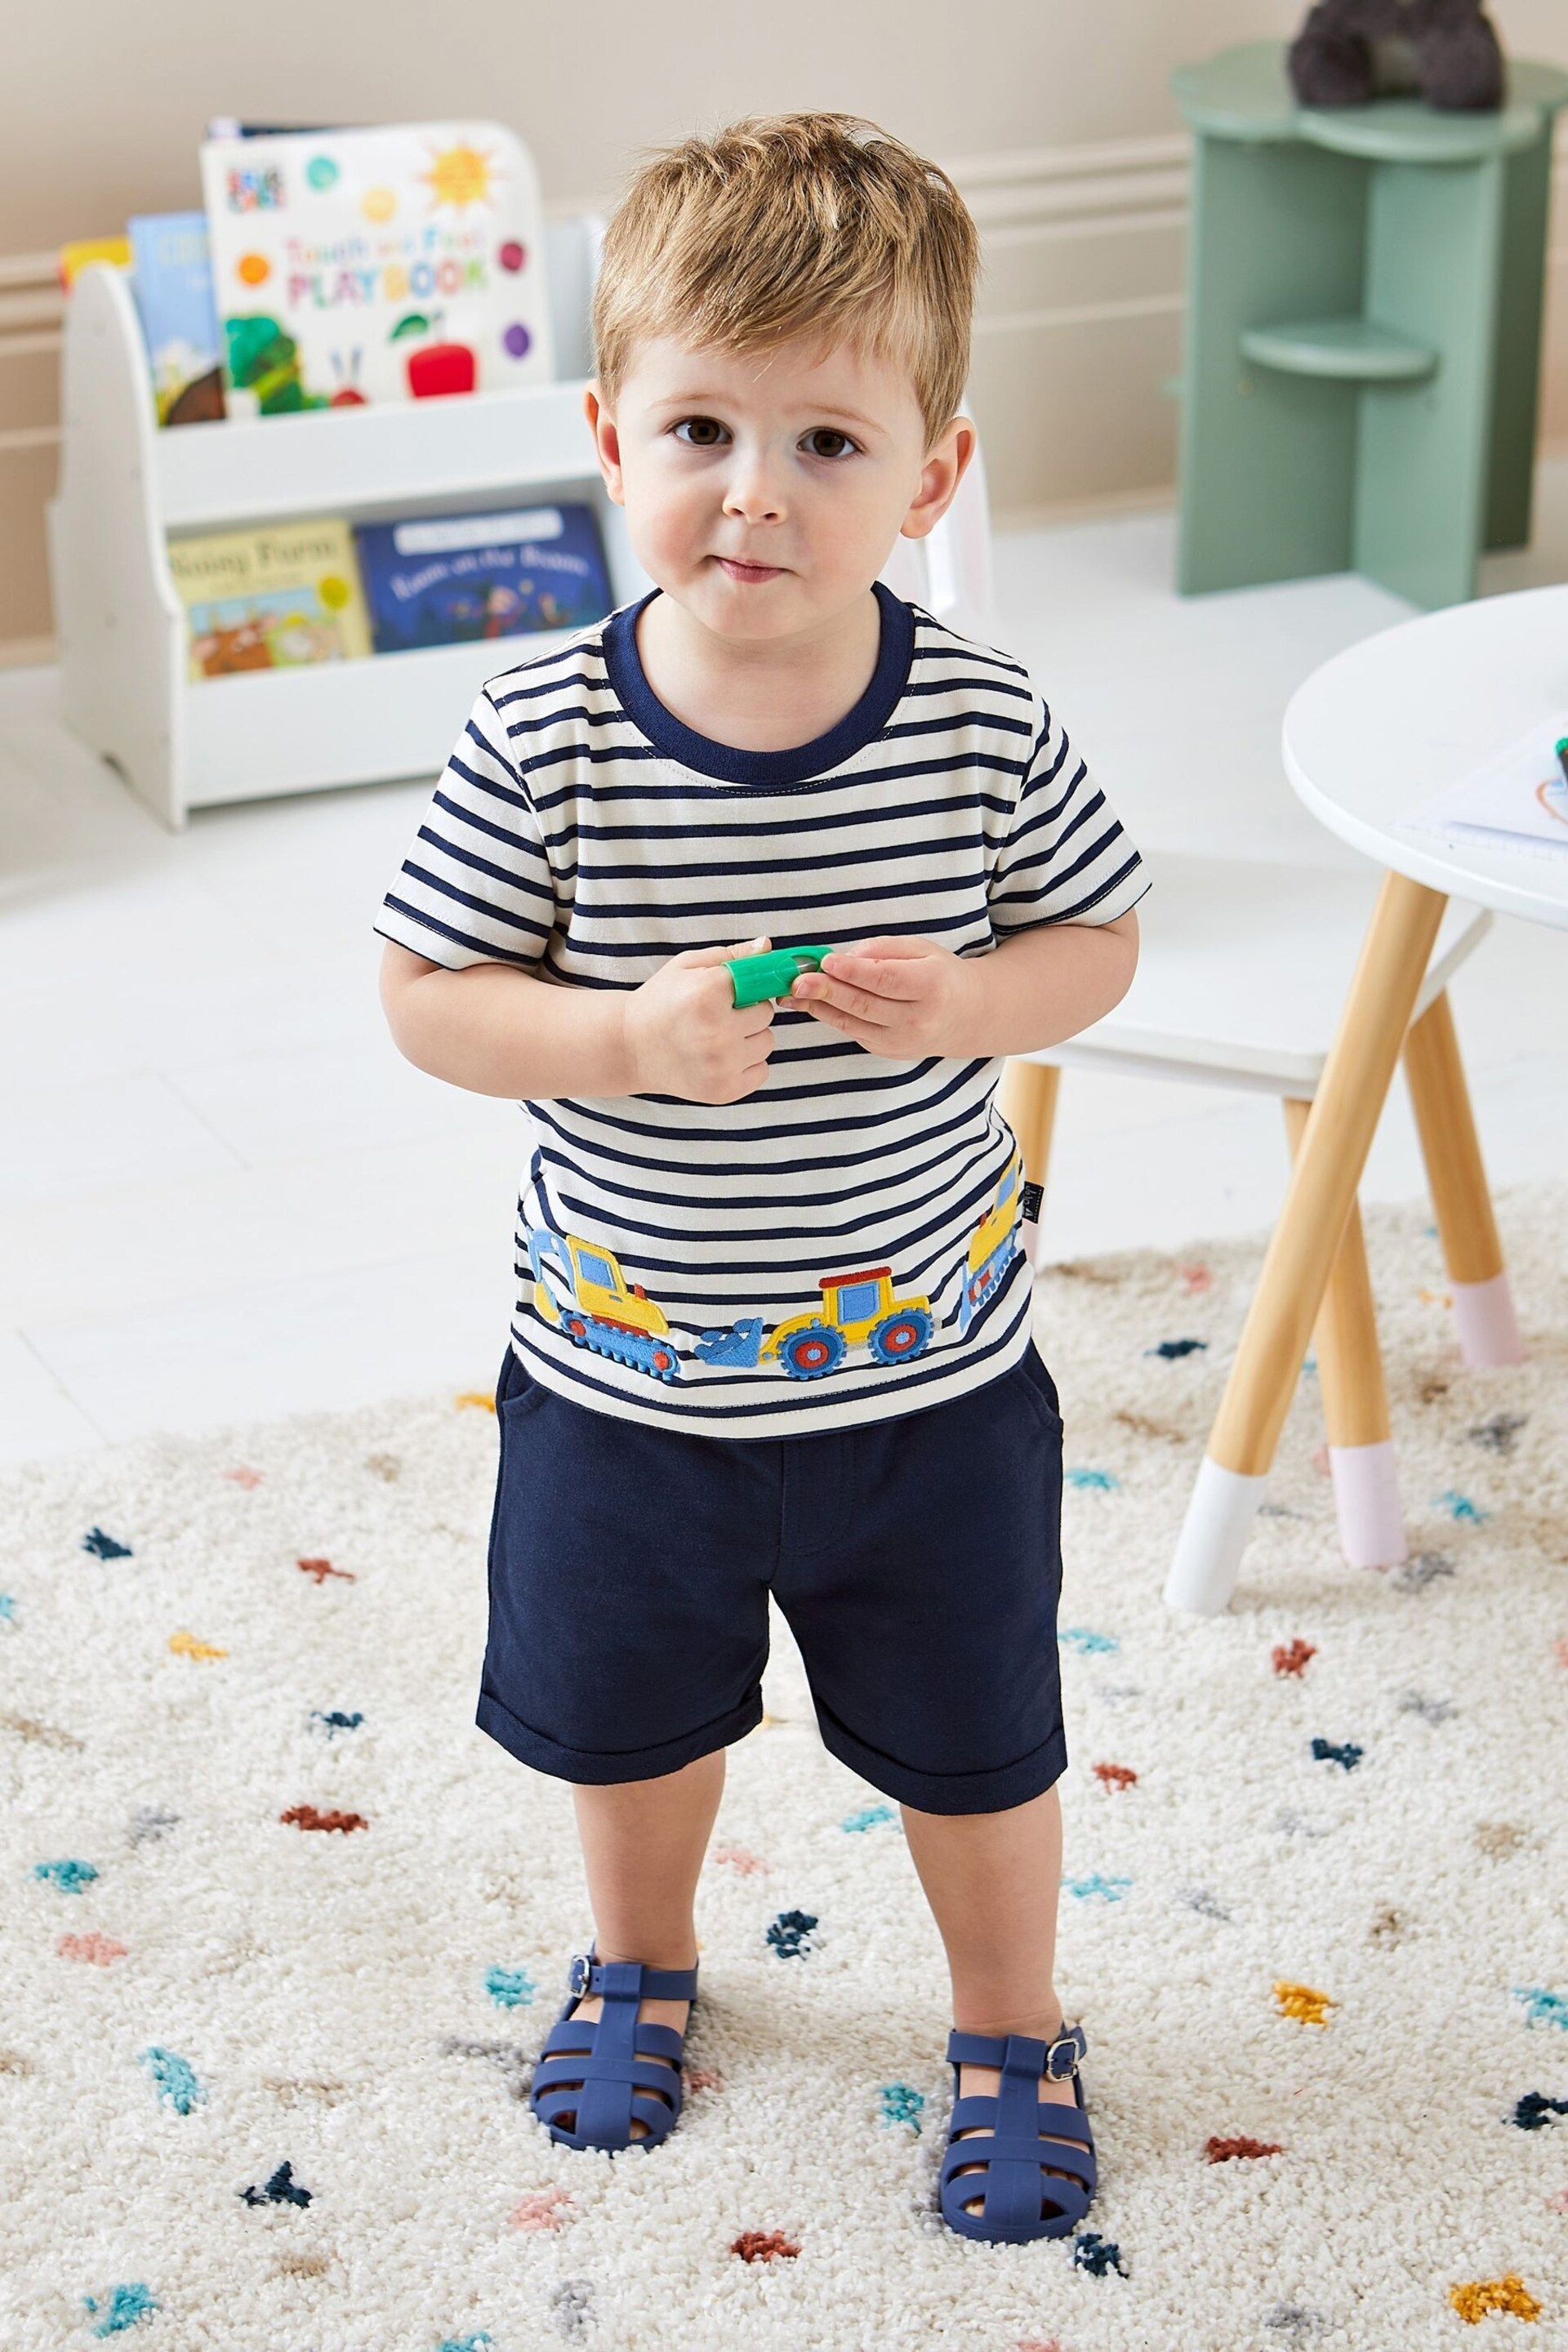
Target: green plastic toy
757	978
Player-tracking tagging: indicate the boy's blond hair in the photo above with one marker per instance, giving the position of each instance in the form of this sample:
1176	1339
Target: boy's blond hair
789	224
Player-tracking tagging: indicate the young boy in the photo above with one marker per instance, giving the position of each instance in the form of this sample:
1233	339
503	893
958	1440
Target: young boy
773	1331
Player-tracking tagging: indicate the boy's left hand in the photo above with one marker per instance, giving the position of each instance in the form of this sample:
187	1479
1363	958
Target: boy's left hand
902	997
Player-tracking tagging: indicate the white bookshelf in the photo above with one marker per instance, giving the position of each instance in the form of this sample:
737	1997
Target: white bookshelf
125	486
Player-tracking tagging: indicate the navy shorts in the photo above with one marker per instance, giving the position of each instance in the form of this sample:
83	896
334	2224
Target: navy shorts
917	1560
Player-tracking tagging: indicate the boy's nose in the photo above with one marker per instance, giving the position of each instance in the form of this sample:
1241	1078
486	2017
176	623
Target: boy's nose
754	494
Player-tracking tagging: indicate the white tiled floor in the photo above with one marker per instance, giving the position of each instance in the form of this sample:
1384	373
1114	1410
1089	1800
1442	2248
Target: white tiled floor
223	1194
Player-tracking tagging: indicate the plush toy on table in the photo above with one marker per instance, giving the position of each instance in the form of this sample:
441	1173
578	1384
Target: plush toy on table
1445	51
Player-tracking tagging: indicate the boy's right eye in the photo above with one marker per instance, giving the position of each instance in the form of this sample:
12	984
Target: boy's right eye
700	432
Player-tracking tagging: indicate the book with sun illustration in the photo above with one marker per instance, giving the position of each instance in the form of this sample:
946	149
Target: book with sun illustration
388	264
270	599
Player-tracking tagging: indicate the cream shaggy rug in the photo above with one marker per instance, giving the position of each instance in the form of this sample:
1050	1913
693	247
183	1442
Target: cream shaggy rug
261	2078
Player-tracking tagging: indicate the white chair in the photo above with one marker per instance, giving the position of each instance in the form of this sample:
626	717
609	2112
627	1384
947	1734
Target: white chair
1241	977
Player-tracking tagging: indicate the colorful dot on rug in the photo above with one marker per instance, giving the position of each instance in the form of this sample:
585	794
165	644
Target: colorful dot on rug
1116	1776
69	1876
7	1609
307	1817
104	1546
901	2104
41	1735
573	2304
1039	2344
737	1858
1300	2002
867	1817
173	2078
121	2307
322	1568
1224	2151
1292	1658
1108	1890
509	1988
336	1721
1172	1350
1545	2008
1088	1644
1478	2296
1460	1507
1560	1650
1536	2110
541	2208
1194	1279
282	2189
149	1821
465	2343
185	1646
1499	1838
1422	1571
101	1951
1096	1482
704	2078
1347	1756
1499	1432
1199	1899
790	1934
1430	1710
475	1401
1096	2255
244	1476
764	2246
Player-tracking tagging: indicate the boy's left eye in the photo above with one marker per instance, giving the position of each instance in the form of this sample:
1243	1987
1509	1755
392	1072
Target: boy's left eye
826	441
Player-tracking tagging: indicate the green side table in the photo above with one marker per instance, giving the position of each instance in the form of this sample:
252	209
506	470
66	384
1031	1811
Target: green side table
1363	358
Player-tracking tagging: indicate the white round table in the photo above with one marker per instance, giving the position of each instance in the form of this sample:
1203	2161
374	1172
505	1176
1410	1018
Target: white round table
1376	733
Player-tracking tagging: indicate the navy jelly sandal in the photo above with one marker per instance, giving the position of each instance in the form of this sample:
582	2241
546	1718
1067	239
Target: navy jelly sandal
608	2071
1016	2174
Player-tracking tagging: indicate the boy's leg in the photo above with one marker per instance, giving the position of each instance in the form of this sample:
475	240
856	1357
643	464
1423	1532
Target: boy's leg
992	1881
643	1846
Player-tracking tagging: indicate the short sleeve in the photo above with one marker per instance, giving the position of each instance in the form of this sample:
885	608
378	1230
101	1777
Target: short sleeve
1066	857
476	885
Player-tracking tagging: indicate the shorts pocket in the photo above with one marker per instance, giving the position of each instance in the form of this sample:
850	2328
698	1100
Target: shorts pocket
1032	1377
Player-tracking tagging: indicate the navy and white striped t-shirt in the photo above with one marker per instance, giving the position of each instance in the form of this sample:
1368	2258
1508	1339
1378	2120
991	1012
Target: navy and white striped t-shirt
840	1245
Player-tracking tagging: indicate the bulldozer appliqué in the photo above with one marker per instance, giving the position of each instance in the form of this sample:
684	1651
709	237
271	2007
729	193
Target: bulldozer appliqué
579	1289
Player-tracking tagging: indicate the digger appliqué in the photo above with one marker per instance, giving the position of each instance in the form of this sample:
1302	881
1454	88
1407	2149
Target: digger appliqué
580	1289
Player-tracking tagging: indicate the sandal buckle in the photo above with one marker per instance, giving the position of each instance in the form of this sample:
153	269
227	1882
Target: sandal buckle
1062	2057
579	1974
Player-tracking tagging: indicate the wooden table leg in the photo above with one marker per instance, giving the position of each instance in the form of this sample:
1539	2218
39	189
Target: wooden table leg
1355	1401
1344	1116
1028	1097
1483	1303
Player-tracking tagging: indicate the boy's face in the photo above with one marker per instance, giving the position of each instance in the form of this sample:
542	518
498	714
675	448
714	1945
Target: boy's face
764	490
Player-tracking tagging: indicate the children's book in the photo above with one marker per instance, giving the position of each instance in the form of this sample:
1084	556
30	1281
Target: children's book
270	599
443	578
1518	800
401	262
116	250
173	283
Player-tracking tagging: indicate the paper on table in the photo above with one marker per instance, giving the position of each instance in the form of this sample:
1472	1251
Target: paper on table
1518	800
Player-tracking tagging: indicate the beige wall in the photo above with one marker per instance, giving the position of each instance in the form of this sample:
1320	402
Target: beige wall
103	108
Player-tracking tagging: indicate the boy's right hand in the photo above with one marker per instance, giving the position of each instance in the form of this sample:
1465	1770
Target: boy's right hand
684	1036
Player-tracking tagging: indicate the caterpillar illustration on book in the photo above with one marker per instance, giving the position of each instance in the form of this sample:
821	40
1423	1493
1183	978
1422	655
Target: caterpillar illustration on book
580	1289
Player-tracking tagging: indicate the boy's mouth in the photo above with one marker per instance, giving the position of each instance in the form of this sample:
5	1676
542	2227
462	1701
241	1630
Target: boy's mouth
734	568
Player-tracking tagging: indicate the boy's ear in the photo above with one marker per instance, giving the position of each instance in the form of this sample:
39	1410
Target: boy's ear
607	442
943	470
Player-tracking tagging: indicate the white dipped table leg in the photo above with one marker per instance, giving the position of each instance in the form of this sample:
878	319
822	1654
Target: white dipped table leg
1213	1535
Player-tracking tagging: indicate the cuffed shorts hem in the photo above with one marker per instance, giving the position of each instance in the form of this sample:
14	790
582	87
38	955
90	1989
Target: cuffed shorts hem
582	1764
995	1791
